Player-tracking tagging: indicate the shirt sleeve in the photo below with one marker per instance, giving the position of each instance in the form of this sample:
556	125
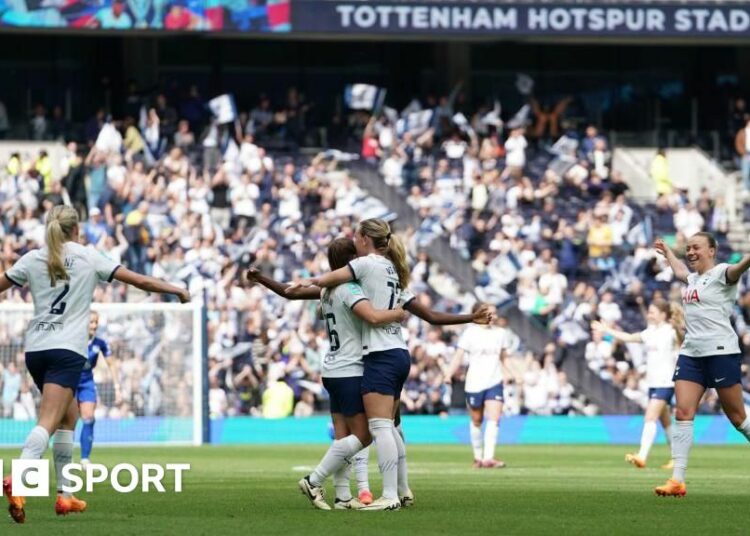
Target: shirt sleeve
645	335
104	266
360	267
351	294
406	297
723	267
104	348
18	274
464	341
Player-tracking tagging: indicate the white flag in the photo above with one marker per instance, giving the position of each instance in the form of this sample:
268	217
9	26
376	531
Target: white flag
363	96
524	84
390	114
223	108
521	119
418	122
492	118
413	106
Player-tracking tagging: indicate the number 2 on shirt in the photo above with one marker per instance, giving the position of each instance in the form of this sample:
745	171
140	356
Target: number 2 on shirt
58	306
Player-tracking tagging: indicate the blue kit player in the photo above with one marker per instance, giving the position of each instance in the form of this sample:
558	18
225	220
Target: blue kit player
86	391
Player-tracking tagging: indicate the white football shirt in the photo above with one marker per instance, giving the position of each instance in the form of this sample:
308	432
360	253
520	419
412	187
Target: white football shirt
61	313
661	354
379	280
483	346
708	302
344	357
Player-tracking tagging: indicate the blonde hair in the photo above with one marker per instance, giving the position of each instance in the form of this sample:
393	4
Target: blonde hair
61	221
675	317
389	245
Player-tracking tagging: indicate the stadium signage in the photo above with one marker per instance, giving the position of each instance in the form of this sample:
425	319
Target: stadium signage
485	19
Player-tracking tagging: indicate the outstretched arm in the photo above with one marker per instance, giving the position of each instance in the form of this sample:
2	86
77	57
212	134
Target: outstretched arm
681	271
150	284
253	275
735	271
619	335
331	279
364	310
437	318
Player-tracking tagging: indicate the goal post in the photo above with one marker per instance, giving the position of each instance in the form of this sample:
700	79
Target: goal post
159	357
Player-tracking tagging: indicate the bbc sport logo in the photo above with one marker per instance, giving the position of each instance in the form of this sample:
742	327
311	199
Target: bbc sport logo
31	477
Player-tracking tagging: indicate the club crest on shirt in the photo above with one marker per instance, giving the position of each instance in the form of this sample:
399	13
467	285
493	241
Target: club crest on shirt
690	296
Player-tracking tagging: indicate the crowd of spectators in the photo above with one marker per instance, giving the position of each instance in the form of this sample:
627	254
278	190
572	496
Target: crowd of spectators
548	225
197	208
544	222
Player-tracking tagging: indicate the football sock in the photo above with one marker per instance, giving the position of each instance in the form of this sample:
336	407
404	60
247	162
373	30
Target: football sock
382	431
647	439
668	434
62	452
341	482
336	457
361	462
403	473
87	438
475	432
744	428
36	444
682	440
490	439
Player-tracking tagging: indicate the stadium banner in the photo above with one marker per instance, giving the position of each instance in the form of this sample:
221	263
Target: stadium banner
488	19
429	19
141	431
606	430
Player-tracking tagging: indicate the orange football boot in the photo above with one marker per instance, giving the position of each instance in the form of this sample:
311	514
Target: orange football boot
634	459
671	489
69	505
15	504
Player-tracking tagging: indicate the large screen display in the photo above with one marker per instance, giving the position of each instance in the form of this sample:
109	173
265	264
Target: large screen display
252	16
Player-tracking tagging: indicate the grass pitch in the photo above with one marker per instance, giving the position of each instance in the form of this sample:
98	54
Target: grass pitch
545	490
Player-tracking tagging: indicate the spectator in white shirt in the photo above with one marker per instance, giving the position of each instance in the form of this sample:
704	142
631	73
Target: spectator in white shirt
243	196
688	220
608	310
515	147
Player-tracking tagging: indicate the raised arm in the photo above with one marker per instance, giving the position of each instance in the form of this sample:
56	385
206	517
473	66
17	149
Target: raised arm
619	335
735	271
253	275
681	271
150	284
437	318
364	310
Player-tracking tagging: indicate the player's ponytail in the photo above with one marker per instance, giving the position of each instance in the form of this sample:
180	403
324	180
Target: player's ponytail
397	253
61	221
389	245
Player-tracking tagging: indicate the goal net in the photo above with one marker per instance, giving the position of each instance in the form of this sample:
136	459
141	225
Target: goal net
156	360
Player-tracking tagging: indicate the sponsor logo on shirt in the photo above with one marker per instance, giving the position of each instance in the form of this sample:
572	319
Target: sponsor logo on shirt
690	296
